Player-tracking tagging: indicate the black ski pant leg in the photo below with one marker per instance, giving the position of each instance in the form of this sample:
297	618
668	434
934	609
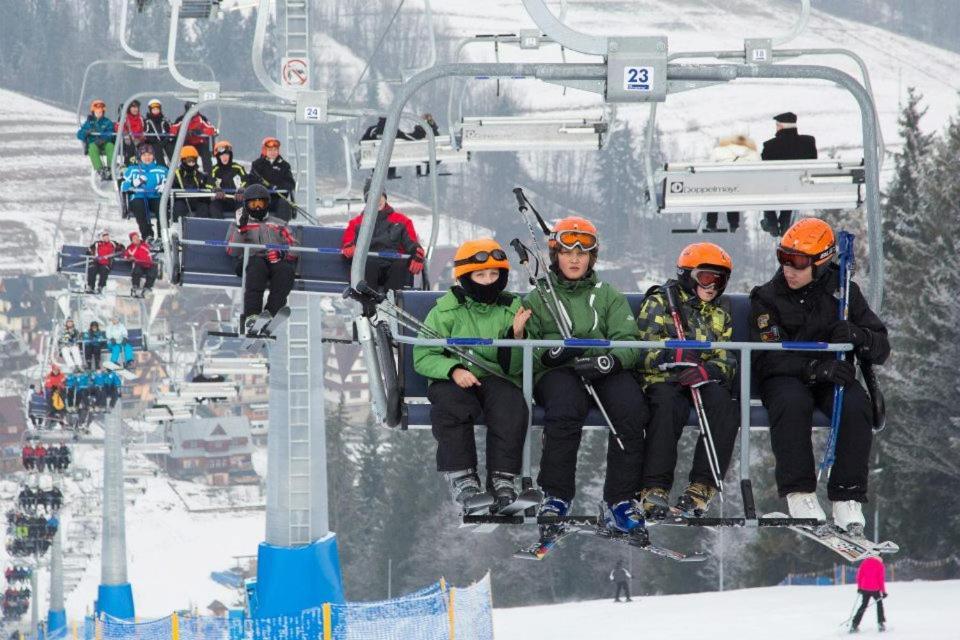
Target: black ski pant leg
848	476
257	279
282	276
626	405
384	274
453	413
505	415
723	416
565	404
103	272
669	412
151	275
733	220
864	603
789	403
142	214
622	587
136	273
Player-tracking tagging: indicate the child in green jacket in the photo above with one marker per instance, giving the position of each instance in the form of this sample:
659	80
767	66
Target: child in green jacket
461	393
596	310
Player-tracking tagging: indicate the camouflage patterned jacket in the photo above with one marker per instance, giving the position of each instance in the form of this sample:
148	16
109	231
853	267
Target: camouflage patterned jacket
706	321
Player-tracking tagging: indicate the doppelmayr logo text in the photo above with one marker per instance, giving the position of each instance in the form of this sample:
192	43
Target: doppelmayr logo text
679	187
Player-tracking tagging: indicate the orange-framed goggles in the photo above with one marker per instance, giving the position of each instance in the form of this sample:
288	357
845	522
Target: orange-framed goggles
272	143
569	240
257	204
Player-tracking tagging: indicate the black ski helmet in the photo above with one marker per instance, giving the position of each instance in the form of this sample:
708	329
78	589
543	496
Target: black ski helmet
256	192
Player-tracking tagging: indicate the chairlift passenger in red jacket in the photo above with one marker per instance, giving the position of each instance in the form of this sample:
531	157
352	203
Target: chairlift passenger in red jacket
393	231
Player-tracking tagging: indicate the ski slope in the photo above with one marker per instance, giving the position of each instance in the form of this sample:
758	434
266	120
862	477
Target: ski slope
915	611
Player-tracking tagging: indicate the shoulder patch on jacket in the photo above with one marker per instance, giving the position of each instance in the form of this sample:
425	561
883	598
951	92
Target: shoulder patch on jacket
763	320
771	335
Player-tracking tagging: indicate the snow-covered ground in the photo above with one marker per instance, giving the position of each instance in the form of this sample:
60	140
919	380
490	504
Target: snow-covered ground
915	611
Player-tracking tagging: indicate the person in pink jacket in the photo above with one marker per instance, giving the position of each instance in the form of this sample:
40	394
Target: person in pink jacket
870	584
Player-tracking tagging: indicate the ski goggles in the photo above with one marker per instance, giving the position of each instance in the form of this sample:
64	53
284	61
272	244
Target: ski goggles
257	204
271	144
803	260
482	257
710	278
576	239
222	150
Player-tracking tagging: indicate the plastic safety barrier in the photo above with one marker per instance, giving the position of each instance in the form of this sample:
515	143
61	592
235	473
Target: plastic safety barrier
410	153
414	386
203	261
776	184
532	134
436	612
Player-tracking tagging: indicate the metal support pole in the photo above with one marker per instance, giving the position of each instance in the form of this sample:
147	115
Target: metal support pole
115	596
56	615
528	396
34	603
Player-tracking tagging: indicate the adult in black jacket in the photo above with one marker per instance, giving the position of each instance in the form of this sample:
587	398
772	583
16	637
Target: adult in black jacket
787	144
621	577
273	172
419	133
800	304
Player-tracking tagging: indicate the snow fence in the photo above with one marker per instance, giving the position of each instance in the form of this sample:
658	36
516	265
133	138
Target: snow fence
436	612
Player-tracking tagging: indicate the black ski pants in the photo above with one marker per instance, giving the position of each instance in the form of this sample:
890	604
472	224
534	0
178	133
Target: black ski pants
777	221
148	273
385	275
225	209
262	275
97	274
670	405
733	220
565	402
144	211
624	587
454	411
864	603
790	404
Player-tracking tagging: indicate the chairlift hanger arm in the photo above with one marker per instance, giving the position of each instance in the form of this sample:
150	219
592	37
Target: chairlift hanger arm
256	55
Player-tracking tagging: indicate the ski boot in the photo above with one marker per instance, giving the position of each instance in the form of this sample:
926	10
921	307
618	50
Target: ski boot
136	292
805	505
848	515
464	485
502	486
625	517
695	499
552	508
655	503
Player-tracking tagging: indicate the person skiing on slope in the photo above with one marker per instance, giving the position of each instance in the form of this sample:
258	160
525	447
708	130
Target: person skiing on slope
273	172
799	304
102	254
267	269
621	577
144	266
703	270
870	584
392	231
142	182
229	178
596	310
98	137
189	177
460	393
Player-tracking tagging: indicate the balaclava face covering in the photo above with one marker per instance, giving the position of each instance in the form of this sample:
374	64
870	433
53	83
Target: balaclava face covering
485	293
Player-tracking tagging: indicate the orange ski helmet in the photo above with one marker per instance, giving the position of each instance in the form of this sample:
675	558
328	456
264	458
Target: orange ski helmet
706	264
269	143
809	242
476	255
189	151
574	231
98	104
223	146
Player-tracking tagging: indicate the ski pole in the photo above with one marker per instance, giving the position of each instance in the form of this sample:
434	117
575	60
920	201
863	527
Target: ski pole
365	293
846	270
709	446
564	328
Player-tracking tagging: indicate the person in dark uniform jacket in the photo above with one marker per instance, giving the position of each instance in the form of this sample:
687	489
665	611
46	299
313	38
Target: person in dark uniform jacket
787	144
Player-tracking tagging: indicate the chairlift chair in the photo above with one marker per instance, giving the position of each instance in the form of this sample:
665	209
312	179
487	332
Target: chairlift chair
531	134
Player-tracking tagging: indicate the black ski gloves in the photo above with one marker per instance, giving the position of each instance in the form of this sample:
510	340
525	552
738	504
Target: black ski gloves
596	367
698	375
557	356
846	331
833	371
